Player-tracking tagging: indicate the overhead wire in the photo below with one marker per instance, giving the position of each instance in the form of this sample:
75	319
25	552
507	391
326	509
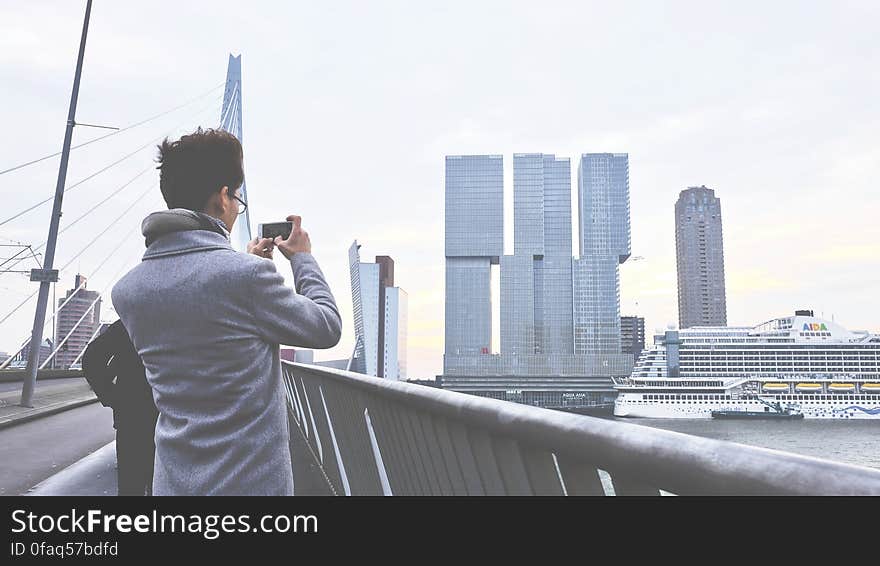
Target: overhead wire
94	207
72	295
83	250
82	216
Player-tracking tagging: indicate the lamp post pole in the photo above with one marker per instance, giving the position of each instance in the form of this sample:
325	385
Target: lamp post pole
46	275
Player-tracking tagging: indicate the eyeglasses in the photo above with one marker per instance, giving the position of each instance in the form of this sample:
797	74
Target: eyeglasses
242	206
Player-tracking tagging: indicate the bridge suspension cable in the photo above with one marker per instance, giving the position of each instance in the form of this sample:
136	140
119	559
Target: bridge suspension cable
21	304
119	131
102	170
27	299
107	229
76	220
83	317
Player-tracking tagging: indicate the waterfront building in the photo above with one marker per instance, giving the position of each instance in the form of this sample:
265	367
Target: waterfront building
632	335
536	288
474	224
394	342
699	250
79	318
538	362
380	317
604	237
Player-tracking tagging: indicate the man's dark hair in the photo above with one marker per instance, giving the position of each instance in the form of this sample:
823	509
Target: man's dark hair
198	165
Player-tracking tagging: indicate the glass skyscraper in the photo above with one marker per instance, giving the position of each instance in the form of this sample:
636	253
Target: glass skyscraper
365	302
543	305
396	307
604	235
474	224
536	288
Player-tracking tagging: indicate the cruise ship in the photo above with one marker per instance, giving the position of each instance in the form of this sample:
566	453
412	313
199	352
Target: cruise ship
798	363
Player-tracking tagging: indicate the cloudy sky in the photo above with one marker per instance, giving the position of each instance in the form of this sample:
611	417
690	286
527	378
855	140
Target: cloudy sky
349	109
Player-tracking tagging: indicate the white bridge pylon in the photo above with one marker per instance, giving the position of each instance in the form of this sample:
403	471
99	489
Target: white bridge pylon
230	120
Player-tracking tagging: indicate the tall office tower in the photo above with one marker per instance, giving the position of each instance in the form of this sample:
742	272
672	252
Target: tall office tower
604	237
386	280
365	304
632	335
474	225
80	318
396	313
536	286
700	259
380	317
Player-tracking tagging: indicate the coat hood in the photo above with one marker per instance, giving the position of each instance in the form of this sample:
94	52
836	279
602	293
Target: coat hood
180	230
165	222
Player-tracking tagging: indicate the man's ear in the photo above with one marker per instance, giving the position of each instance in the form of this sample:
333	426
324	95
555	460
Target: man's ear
221	199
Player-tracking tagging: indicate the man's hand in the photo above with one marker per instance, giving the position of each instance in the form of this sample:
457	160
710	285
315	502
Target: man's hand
262	247
297	242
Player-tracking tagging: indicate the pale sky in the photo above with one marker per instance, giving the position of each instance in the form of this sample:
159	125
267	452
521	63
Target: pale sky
350	108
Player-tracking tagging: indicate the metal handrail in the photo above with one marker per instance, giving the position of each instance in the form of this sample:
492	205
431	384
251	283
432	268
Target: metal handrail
426	440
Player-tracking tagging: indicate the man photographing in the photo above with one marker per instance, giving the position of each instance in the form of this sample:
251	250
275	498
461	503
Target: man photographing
207	322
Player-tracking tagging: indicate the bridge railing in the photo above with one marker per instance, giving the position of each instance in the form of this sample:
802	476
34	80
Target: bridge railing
371	436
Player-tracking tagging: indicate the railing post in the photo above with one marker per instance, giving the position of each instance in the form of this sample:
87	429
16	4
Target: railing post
339	463
377	455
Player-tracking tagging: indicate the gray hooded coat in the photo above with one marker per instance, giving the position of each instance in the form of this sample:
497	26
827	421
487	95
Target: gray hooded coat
207	322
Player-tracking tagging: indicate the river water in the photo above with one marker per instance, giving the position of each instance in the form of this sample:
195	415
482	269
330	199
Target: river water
852	441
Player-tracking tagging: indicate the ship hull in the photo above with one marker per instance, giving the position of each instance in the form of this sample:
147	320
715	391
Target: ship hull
844	410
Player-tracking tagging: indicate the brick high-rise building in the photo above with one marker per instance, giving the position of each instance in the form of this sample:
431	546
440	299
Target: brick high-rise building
699	251
80	317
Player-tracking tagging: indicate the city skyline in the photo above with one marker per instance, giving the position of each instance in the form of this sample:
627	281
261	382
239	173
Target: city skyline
792	147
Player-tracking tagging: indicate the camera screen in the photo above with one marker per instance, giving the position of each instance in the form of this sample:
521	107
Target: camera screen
274	229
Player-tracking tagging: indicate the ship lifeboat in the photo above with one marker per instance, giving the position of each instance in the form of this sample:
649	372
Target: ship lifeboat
808	387
775	387
870	388
842	387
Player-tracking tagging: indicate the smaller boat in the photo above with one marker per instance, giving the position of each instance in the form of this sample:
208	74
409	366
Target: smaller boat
772	411
808	387
842	387
775	387
756	415
870	388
